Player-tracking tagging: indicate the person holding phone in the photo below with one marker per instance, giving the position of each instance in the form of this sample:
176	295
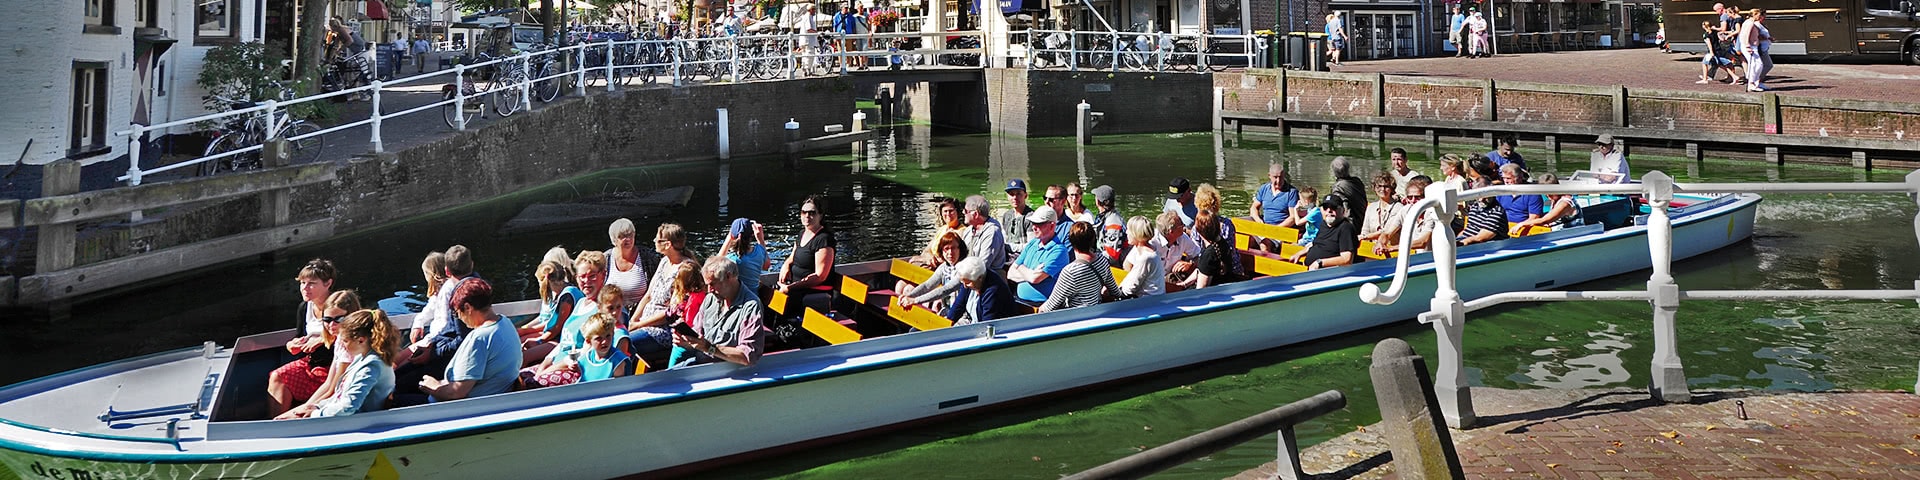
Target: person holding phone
728	326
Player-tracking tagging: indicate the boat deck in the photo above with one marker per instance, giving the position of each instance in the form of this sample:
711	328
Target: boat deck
136	400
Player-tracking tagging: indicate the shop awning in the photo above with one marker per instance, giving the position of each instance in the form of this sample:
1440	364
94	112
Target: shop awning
377	10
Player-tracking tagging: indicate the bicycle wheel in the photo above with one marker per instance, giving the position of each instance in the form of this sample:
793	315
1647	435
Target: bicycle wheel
223	144
546	90
304	150
506	95
450	111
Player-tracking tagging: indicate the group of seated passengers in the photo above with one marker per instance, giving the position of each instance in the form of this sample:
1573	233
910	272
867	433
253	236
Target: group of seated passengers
459	348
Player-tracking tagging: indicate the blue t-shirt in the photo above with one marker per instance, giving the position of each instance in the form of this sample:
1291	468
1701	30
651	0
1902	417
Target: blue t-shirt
1312	230
549	313
750	266
1275	207
594	368
1333	28
1050	257
1458	20
1519	206
1502	160
490	356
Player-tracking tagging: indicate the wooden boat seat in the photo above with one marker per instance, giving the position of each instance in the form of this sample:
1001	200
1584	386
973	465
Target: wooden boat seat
833	331
920	318
909	272
1270	265
1246	226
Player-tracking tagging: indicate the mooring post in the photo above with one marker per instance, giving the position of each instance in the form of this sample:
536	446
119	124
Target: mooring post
1694	154
1861	161
1553	145
726	144
55	250
1083	121
1669	379
1422	448
1448	315
793	142
1774	156
859	125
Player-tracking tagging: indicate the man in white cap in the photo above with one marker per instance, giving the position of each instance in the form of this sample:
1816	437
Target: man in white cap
1040	261
1609	161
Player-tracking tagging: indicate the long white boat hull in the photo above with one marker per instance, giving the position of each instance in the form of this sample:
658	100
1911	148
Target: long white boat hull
662	421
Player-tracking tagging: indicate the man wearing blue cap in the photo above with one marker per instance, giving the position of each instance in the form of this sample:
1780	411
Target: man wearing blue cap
746	247
1013	221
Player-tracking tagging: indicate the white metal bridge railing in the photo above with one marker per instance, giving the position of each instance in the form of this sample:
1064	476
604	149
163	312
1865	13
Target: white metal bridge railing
1448	311
677	61
1132	51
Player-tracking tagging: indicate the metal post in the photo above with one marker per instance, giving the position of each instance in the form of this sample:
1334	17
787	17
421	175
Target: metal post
1913	192
460	97
1286	464
374	127
733	63
580	70
1448	314
791	63
1073	51
679	49
526	81
609	76
273	125
1115	47
1160	53
134	145
1669	379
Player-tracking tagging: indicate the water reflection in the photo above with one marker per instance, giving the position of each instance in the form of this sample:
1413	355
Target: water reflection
1601	365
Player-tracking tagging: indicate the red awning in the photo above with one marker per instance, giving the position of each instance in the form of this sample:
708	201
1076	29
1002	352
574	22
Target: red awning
376	10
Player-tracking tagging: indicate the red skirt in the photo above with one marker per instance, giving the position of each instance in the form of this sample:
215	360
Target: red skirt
301	378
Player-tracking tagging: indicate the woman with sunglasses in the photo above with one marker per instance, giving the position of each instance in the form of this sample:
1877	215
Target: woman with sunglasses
312	378
366	382
812	259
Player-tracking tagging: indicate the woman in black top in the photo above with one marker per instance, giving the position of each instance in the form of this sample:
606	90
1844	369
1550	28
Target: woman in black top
1216	256
812	259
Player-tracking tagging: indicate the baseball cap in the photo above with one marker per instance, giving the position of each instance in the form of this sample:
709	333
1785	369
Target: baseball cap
1103	194
1044	214
1016	184
1605	139
739	227
1178	186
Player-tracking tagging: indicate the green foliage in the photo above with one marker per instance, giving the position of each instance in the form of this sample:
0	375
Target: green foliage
476	6
240	72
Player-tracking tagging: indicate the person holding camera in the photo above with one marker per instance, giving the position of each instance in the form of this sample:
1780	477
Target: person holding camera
728	326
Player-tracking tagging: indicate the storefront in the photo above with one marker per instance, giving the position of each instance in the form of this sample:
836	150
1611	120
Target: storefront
1385	29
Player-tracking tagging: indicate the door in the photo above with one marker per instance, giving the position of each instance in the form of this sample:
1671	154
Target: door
1882	27
1359	36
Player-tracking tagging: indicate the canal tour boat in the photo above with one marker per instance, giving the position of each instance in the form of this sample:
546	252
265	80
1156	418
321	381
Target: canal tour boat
197	412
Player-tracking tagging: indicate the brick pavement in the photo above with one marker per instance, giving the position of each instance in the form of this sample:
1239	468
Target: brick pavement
1623	434
1649	68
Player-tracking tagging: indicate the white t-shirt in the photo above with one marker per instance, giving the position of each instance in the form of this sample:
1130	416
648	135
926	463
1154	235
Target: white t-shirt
439	303
1184	248
1145	275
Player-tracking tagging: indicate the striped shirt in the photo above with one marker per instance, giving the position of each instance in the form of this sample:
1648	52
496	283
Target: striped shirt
1081	284
1484	216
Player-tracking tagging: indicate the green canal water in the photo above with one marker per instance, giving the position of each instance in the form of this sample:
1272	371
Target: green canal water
879	203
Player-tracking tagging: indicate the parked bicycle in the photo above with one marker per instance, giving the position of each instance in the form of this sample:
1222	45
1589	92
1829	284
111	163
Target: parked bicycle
347	71
495	84
243	132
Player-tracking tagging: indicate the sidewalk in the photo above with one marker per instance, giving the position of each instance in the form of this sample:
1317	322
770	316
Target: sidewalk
1649	68
1624	434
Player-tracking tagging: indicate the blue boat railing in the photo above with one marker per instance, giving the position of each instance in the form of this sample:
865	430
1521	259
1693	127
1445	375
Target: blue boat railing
1202	444
1448	311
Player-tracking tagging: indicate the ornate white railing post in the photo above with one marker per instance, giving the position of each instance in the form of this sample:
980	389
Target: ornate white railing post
609	75
1073	51
373	125
1669	379
1448	313
460	97
135	143
580	70
733	60
526	81
1913	192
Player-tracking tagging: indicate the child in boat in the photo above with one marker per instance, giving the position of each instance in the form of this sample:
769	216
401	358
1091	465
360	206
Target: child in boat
938	291
330	366
1306	217
557	302
297	380
574	339
689	291
1145	276
434	269
367	337
596	360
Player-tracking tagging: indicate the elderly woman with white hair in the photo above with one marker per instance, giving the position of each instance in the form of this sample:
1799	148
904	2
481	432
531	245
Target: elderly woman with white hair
625	268
985	298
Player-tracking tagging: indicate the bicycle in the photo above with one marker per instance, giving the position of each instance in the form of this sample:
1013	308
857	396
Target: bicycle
242	132
505	101
347	71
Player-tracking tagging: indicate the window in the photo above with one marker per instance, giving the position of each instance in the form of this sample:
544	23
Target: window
99	15
159	78
215	21
88	131
144	13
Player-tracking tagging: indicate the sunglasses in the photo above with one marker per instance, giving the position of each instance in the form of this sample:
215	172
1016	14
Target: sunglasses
333	318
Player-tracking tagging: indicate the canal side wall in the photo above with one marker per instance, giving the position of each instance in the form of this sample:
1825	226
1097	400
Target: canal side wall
1375	101
200	222
1042	103
569	139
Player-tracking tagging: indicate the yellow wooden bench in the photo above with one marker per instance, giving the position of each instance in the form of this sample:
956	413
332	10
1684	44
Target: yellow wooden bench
826	328
905	270
920	317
